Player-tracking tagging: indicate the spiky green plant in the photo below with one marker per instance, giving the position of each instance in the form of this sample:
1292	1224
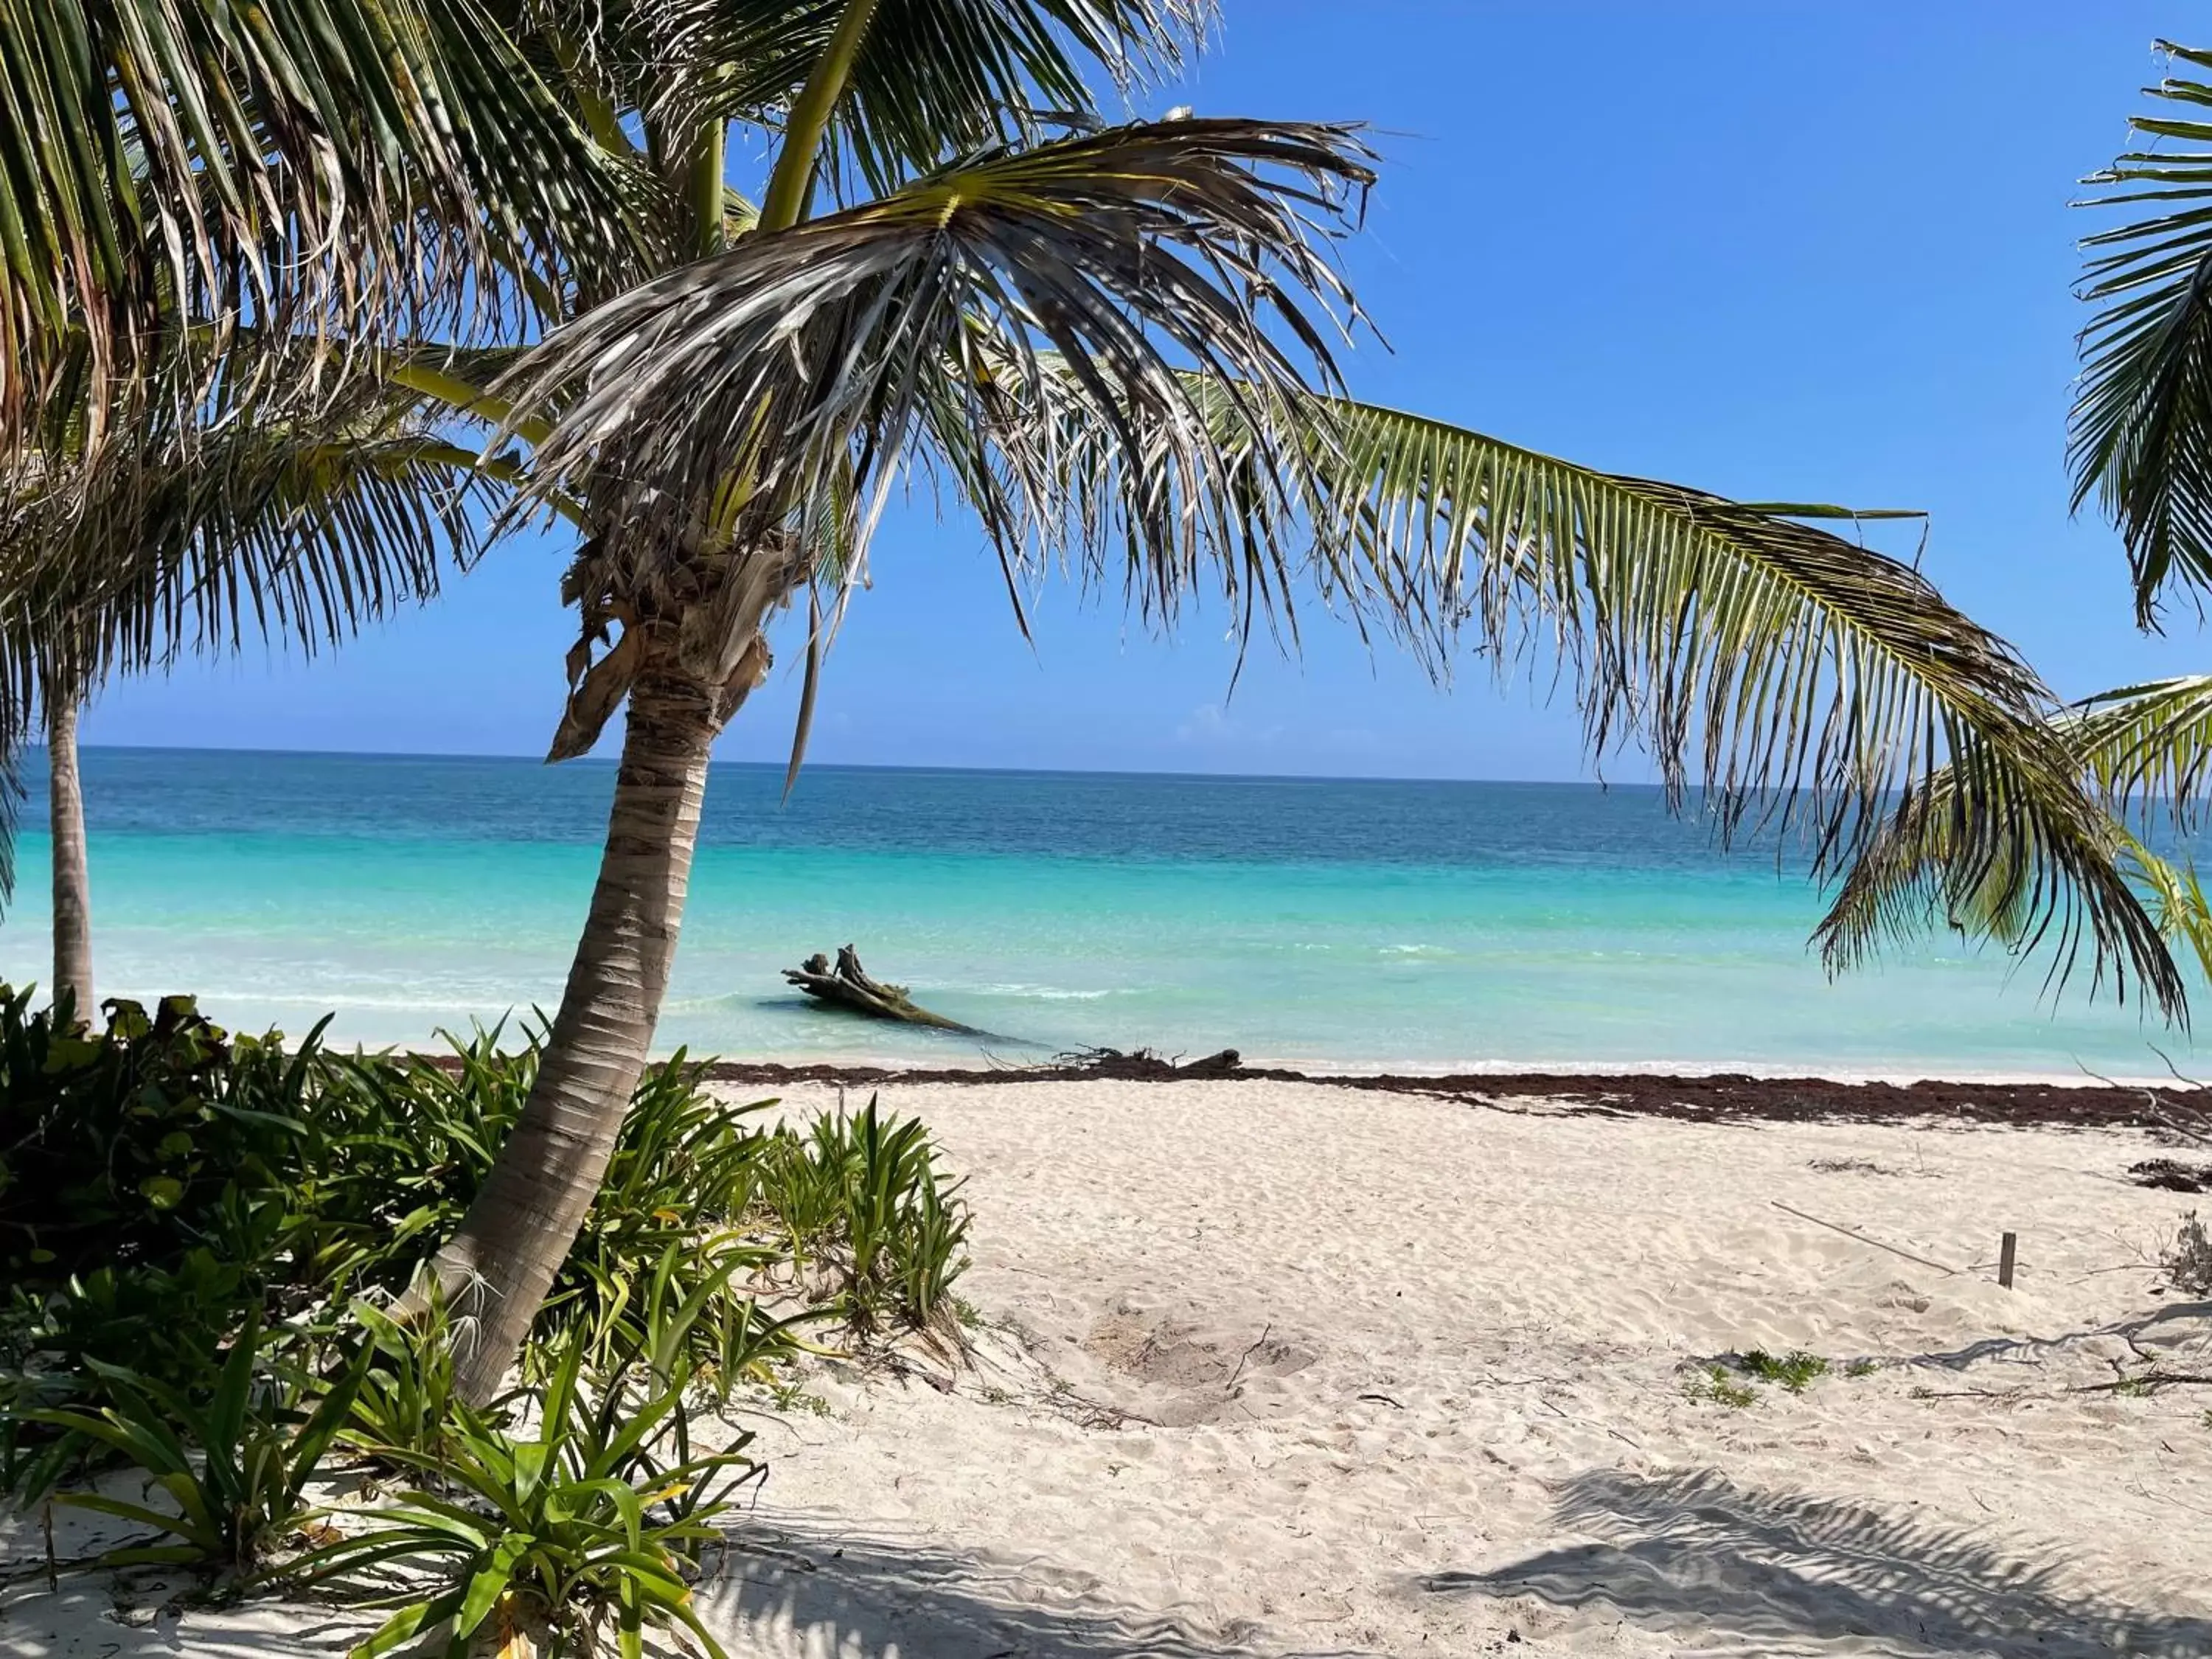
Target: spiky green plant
588	1524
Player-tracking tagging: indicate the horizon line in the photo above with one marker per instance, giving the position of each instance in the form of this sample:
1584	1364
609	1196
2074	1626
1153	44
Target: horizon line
862	766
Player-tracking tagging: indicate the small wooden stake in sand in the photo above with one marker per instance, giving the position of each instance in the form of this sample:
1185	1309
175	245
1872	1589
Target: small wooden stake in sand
2006	1250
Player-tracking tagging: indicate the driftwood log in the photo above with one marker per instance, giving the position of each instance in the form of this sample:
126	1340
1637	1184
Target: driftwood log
848	986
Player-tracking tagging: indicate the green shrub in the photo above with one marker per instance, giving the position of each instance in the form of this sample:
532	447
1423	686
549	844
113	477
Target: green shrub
1795	1372
132	1148
580	1527
1715	1383
405	1397
861	1197
197	1230
244	1493
663	1266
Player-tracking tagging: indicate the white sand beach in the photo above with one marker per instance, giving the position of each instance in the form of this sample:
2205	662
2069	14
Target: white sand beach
1271	1369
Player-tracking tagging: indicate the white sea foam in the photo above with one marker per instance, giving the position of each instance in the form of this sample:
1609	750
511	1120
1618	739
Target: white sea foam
1044	993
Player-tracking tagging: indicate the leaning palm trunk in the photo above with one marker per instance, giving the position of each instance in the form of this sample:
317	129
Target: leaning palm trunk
72	869
495	1271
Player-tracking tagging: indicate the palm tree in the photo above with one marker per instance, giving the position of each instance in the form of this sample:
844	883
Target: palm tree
197	533
1112	344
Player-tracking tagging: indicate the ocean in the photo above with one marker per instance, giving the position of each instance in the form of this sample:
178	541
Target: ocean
1328	924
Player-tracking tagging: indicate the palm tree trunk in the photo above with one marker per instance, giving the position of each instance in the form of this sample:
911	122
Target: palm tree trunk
496	1270
72	870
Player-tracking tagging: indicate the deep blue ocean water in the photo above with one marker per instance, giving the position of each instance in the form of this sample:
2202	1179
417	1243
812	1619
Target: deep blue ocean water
1333	923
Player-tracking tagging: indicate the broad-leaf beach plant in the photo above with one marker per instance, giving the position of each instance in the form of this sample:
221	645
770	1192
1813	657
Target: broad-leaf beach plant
593	1518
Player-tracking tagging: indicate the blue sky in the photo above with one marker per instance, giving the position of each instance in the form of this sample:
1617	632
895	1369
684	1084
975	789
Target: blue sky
1778	251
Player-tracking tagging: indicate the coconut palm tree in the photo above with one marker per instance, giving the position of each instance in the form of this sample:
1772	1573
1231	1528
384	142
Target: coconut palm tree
1113	345
199	535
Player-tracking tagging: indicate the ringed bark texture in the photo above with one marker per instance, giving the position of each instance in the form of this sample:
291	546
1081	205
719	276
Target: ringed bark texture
495	1271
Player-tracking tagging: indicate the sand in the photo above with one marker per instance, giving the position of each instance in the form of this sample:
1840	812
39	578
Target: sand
1273	1368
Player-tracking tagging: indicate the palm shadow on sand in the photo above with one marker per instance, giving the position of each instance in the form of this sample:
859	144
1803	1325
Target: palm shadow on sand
1694	1552
872	1598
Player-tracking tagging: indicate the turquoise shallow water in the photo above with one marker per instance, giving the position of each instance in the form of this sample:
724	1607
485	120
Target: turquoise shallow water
1329	923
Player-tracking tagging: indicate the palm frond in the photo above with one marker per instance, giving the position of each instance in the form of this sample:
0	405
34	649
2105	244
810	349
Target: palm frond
332	165
2141	436
792	375
1799	679
931	79
2147	748
2177	902
2144	754
293	528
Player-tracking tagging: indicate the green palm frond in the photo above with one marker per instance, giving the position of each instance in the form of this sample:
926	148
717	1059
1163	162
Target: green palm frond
1921	868
1796	677
2141	436
2143	753
2178	905
333	166
2147	748
264	528
929	79
296	528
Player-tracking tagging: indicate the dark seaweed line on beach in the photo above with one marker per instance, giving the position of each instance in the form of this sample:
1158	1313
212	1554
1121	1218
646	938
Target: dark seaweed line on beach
1722	1096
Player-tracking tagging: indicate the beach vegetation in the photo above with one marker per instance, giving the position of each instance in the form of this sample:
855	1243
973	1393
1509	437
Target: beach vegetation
254	1208
165	1186
1796	1370
235	1466
164	1180
860	1196
1716	1385
592	1520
